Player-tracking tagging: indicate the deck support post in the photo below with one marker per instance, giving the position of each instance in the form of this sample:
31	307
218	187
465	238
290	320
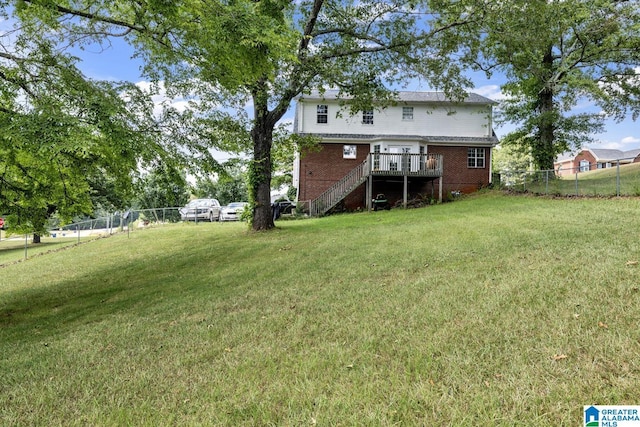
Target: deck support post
369	192
404	191
440	191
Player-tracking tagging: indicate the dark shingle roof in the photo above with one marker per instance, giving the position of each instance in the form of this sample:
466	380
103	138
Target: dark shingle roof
406	96
468	139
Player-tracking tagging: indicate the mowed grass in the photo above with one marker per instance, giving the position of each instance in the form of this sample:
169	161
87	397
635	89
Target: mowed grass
492	310
600	182
12	248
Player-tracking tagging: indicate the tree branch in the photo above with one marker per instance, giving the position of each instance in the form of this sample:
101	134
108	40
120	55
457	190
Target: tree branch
94	17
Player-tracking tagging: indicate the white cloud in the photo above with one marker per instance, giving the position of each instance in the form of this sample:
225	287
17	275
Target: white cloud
609	145
630	140
160	98
624	144
490	91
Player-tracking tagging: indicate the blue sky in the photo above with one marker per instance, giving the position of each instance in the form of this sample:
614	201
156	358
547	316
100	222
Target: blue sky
115	63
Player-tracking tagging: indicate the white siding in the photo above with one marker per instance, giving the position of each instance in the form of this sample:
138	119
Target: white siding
428	120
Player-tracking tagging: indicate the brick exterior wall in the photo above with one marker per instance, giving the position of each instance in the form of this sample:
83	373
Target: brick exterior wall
584	155
457	176
320	169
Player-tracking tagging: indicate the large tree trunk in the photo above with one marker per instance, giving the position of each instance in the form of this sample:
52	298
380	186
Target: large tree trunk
260	169
262	136
544	150
260	176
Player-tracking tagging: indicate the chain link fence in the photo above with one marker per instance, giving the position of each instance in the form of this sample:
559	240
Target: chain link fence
615	178
16	247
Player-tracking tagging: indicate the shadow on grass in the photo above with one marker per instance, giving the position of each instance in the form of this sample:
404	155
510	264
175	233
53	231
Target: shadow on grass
14	251
135	287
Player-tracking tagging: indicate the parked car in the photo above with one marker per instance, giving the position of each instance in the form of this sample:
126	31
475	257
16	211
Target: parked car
233	211
201	209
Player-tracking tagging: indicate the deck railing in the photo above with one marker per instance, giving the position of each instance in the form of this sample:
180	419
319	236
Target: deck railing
428	165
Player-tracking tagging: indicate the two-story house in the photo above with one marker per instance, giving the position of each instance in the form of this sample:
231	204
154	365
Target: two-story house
423	144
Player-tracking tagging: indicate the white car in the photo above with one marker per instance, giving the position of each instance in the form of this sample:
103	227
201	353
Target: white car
201	209
233	211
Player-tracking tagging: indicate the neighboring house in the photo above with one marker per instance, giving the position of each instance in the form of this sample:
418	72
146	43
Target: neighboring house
589	159
422	145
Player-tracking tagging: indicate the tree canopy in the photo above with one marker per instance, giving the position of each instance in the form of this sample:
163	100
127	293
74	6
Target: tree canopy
70	144
241	63
265	53
554	55
65	141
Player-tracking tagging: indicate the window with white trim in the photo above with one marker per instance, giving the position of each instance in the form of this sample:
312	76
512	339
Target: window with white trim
323	114
349	152
475	158
584	165
407	113
367	117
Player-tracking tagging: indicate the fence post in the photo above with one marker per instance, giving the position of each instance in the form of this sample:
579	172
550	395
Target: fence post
618	178
577	194
78	232
26	240
546	183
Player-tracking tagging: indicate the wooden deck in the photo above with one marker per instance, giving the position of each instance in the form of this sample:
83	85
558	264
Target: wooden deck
406	164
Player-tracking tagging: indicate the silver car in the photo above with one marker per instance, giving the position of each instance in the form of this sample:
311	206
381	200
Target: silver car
201	210
233	211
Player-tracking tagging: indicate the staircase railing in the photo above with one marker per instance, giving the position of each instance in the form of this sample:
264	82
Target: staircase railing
327	200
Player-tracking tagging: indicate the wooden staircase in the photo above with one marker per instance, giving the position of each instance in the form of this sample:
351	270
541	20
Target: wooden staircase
379	164
338	191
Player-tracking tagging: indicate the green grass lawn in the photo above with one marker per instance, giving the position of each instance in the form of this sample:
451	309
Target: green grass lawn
601	182
491	310
12	248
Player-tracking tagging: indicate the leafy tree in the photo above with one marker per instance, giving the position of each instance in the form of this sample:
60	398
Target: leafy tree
510	158
65	141
265	53
163	187
556	54
70	144
229	186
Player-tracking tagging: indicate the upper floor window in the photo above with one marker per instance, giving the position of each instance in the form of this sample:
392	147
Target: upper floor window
407	113
323	114
475	158
367	117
